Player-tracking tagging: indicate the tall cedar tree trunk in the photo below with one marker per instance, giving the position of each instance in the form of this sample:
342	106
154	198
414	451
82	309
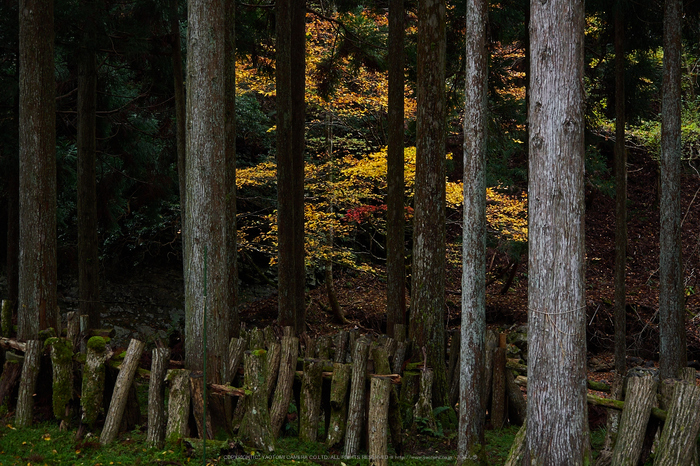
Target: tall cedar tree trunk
427	326
88	260
557	428
620	195
230	151
13	232
206	221
180	110
472	393
672	351
37	169
395	260
291	30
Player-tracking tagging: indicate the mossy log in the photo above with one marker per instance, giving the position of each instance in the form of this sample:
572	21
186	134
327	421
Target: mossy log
657	413
255	430
285	383
517	449
8	379
62	362
156	394
357	403
339	403
678	437
310	402
6	318
498	390
27	384
639	399
274	355
236	347
423	408
198	405
178	405
93	383
378	420
9	343
124	382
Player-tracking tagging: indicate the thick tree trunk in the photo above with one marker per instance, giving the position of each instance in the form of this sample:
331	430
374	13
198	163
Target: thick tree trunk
557	428
12	270
37	299
88	259
291	29
395	235
640	398
427	326
672	351
472	399
285	383
207	303
620	196
378	416
27	384
125	379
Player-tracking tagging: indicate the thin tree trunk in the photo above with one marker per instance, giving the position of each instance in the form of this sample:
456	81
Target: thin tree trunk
395	261
472	399
427	326
557	428
180	107
37	298
672	351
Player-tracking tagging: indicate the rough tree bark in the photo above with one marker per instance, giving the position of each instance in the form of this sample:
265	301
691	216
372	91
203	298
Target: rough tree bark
37	299
473	331
291	46
557	429
426	326
395	261
205	239
672	351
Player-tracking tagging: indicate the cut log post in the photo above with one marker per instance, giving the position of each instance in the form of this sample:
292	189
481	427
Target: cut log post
8	379
381	367
156	393
236	347
424	406
255	428
274	355
6	318
378	420
356	406
410	386
309	345
121	390
84	329
285	383
498	392
399	357
198	405
399	332
612	425
680	432
62	361
323	348
27	384
341	346
310	402
353	336
517	406
491	343
639	399
73	329
453	368
93	384
339	403
178	405
256	338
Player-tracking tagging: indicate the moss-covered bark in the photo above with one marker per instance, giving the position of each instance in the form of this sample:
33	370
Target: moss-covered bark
93	380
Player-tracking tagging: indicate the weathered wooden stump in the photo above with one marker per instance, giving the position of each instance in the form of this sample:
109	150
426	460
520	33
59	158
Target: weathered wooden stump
498	391
423	409
236	347
285	383
93	383
378	420
27	384
381	367
639	399
155	436
341	346
339	403
178	405
310	402
410	386
198	405
399	357
9	378
612	425
274	355
453	368
356	406
255	430
73	329
62	361
680	432
124	382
